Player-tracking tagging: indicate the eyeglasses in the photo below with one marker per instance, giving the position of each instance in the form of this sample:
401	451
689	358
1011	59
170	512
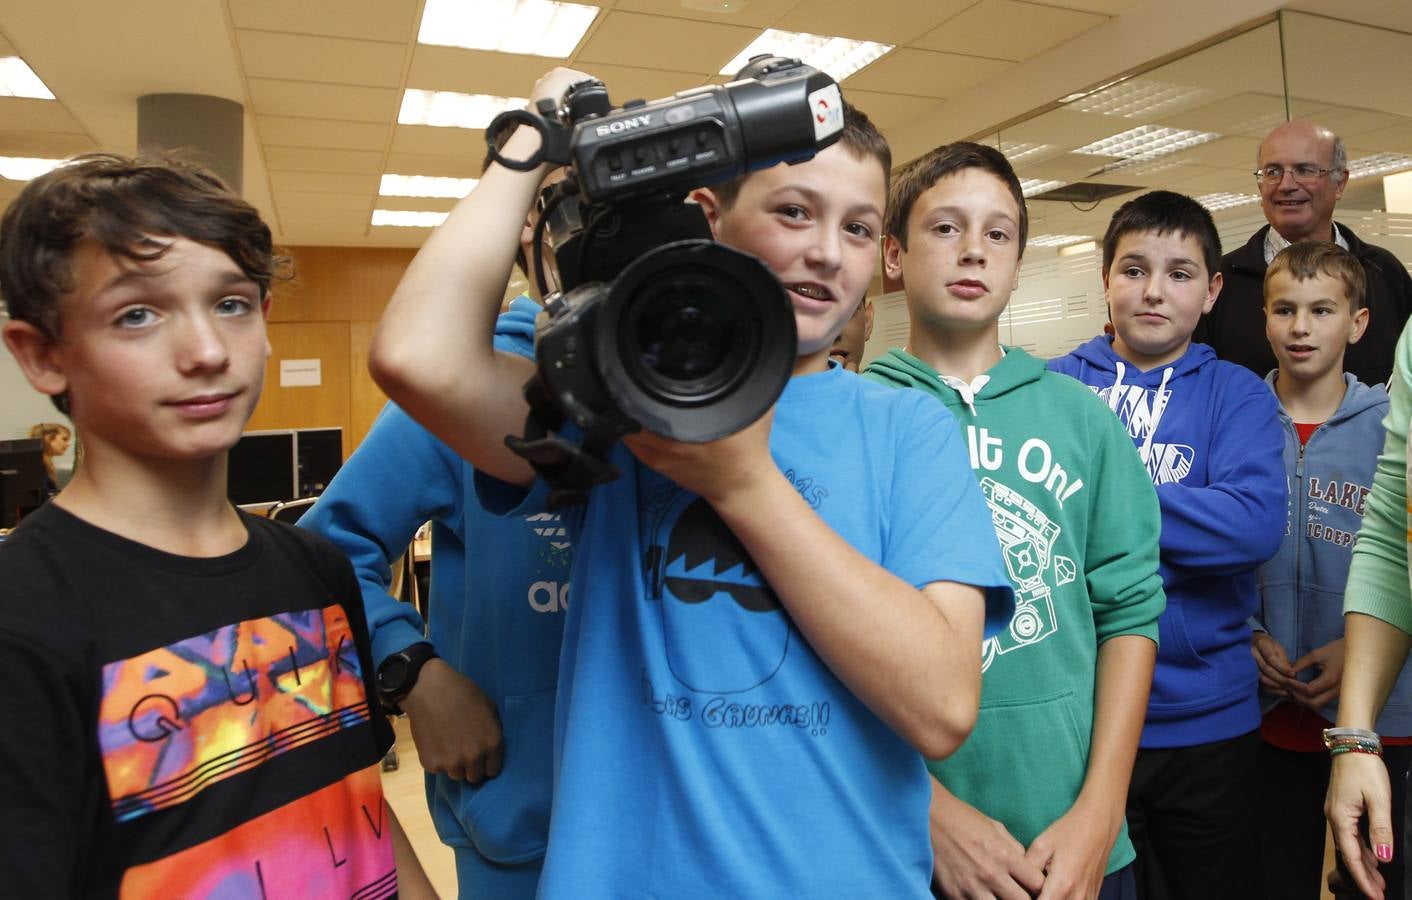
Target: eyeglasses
1304	173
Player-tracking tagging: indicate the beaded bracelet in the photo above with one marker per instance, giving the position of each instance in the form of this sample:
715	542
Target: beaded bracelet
1352	740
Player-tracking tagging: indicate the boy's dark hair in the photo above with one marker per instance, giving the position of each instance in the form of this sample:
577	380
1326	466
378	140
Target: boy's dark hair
918	176
860	136
1165	212
1310	259
119	201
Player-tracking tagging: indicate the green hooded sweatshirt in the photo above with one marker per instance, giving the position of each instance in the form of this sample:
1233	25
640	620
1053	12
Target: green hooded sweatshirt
1078	522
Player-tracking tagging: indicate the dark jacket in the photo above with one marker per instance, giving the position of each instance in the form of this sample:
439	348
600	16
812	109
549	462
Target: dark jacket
1235	327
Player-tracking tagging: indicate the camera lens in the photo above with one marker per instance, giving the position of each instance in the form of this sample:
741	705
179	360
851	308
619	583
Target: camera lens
684	333
695	340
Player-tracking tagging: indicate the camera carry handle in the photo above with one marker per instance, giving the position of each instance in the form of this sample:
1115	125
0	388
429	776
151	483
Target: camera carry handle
553	137
569	469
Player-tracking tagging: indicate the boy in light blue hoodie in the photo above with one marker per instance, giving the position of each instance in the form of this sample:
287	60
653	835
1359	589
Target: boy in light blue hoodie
1208	434
1314	309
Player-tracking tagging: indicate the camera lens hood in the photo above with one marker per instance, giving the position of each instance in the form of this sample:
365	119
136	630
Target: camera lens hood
695	340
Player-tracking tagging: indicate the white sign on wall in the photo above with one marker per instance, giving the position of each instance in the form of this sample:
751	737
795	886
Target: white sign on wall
300	372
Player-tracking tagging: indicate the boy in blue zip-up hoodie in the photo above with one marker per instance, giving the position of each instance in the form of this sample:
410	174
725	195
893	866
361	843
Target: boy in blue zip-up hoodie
482	713
1208	434
1314	309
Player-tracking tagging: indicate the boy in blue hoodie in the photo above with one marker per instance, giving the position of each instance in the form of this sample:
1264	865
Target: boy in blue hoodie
760	623
487	665
1208	434
1314	309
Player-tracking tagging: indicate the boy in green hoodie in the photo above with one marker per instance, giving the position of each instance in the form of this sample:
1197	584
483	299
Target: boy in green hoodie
1065	688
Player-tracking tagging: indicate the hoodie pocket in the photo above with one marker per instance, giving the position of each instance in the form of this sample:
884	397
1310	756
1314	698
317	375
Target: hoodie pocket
1174	646
1024	764
507	817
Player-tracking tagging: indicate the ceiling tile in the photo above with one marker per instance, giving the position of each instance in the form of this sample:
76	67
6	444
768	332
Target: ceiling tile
1008	29
1104	7
373	20
1229	153
283	131
474	71
468	142
924	73
45	145
23	114
888	110
318	159
312	200
6	49
298	57
322	101
1064	128
755	13
324	183
1241	113
658	42
895	22
1350	122
1246	62
1392	139
450	165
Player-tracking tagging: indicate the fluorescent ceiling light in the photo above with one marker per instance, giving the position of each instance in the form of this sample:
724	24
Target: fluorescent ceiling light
840	57
1138	97
425	186
17	79
535	27
1217	201
1019	152
1146	142
1379	164
1031	186
408	218
448	109
1077	249
26	168
1057	240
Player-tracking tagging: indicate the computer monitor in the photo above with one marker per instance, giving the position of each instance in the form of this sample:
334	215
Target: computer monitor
261	468
21	479
320	456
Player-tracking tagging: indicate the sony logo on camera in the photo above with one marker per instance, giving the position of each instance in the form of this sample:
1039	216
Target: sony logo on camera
621	125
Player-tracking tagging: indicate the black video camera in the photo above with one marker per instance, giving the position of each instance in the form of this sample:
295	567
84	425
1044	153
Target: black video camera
654	324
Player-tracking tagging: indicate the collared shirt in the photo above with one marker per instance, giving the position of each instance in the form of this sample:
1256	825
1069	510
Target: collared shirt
1275	242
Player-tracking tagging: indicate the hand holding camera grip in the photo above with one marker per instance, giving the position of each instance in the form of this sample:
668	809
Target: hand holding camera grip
553	140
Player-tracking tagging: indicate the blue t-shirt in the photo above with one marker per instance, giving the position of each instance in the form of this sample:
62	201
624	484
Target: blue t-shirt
702	748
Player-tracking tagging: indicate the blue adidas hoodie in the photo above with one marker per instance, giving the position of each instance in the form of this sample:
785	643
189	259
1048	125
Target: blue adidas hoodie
1301	589
1208	433
498	593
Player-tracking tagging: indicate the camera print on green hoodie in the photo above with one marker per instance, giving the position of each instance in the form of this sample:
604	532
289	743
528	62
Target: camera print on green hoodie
1078	523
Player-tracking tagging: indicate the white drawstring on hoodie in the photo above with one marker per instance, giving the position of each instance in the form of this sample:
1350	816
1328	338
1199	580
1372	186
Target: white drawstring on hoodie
1159	405
969	391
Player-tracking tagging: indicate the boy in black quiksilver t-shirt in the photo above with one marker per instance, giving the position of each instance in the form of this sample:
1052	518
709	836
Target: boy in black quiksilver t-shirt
188	691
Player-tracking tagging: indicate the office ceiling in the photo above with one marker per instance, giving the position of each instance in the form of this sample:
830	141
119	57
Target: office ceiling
322	80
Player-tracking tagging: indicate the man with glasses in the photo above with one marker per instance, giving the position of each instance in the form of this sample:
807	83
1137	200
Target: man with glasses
1301	171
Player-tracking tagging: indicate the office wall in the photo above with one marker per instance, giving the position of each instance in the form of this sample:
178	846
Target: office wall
328	313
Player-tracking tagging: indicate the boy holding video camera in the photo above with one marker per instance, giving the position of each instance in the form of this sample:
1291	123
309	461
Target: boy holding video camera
742	715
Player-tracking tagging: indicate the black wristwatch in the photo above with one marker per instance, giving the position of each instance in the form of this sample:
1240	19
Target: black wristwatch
398	674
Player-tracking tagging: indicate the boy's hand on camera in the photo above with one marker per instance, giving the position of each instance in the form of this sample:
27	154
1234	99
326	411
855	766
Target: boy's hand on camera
454	724
975	856
715	470
553	84
1323	690
1276	674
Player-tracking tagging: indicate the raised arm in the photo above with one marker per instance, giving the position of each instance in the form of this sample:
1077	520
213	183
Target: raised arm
916	664
432	351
